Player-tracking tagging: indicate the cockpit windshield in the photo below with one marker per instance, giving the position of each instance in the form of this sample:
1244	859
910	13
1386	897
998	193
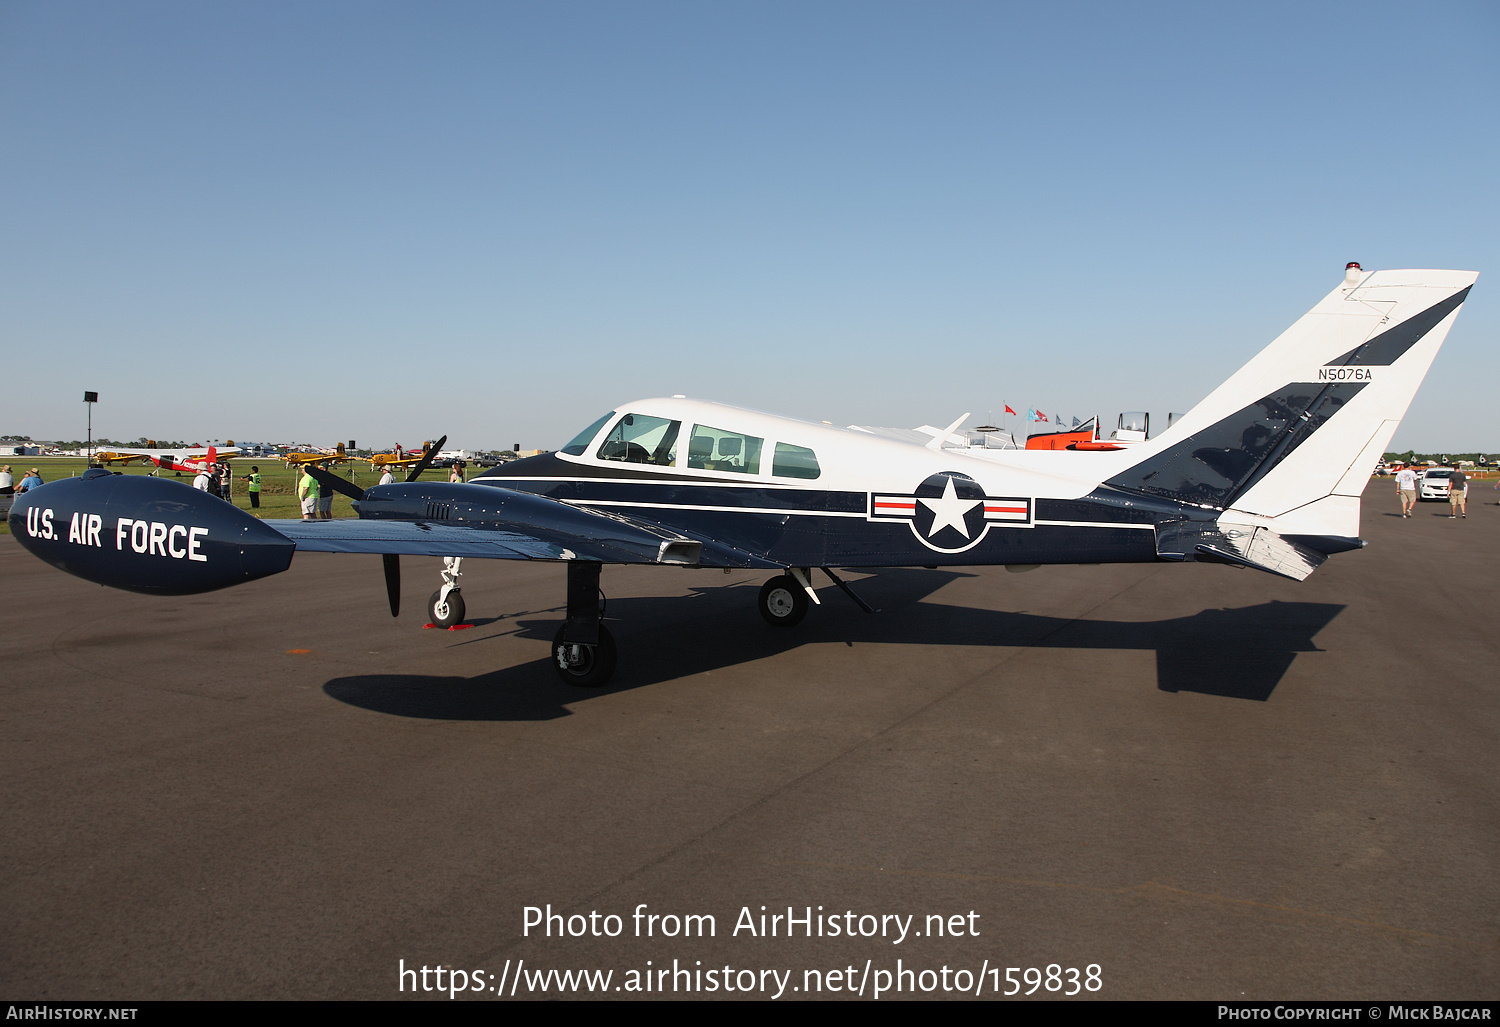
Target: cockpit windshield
580	443
642	439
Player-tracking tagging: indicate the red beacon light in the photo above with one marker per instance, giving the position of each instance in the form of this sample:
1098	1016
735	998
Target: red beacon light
1352	272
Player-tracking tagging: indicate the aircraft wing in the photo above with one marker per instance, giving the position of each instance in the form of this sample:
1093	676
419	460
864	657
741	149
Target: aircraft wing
404	538
177	455
503	524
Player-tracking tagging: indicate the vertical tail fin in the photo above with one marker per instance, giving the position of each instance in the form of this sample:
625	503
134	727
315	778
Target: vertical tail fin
1295	434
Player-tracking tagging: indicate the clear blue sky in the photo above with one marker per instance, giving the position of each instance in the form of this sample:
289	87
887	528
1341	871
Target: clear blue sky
323	221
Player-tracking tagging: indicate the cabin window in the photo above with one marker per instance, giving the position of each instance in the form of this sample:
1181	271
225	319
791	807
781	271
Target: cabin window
580	443
794	462
642	439
714	449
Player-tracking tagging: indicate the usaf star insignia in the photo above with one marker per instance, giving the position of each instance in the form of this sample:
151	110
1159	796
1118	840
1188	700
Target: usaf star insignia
949	512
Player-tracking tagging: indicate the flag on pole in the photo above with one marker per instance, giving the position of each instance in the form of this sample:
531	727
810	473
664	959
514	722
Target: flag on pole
1035	415
1008	410
1076	422
1059	419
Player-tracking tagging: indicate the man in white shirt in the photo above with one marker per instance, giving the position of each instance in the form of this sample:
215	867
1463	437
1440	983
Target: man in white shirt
202	482
7	481
1406	488
387	478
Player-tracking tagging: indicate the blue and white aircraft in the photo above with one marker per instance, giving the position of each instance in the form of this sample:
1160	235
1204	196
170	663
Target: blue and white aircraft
1266	472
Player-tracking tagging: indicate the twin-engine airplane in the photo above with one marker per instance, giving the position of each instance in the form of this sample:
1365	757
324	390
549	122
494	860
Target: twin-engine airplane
1266	473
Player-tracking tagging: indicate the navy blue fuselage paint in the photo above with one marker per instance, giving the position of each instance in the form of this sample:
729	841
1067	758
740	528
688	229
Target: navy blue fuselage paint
801	527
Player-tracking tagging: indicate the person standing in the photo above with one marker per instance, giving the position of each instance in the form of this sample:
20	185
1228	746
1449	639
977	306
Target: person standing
1406	488
387	478
7	481
456	475
203	481
226	482
1458	495
307	493
325	502
254	479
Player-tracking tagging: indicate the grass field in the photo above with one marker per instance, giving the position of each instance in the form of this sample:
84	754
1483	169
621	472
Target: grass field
278	495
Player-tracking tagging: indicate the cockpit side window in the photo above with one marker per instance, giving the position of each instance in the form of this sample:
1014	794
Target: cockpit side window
714	449
794	462
642	439
581	441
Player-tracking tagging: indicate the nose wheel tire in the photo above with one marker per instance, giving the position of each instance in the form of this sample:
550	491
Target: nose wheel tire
783	601
447	613
589	666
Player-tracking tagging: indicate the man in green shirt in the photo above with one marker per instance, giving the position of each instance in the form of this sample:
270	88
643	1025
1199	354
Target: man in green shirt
307	492
254	479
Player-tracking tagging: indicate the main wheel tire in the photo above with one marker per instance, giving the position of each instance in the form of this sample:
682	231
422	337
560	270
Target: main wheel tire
783	601
446	614
589	666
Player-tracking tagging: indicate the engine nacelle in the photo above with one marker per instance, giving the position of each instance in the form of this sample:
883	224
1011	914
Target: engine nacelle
146	534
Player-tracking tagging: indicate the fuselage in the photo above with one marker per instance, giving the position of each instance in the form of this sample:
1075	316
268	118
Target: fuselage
798	493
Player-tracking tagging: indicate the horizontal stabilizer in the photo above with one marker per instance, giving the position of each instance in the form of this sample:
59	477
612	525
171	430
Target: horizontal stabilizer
1257	547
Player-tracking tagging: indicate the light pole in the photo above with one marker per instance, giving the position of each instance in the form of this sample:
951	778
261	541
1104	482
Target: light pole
89	399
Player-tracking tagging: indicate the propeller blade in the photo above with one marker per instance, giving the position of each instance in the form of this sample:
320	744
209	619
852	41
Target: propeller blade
392	580
427	458
327	479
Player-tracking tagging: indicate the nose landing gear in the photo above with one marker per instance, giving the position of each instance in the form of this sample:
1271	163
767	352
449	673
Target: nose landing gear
446	607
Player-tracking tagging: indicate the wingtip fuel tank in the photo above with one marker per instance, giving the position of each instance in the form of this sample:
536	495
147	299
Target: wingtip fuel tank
146	534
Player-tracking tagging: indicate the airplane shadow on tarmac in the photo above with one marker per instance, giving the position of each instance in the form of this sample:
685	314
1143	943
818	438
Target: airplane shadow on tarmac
1239	654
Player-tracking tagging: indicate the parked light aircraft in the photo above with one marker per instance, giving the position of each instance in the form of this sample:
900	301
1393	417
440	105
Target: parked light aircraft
204	463
154	455
320	457
399	458
1266	472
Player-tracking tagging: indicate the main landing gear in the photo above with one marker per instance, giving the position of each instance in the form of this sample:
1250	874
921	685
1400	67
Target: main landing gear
584	652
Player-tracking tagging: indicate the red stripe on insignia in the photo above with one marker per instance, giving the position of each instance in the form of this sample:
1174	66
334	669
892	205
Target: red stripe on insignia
895	506
1005	509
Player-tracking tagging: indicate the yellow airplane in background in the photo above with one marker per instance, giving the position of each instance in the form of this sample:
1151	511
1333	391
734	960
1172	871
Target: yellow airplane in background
321	458
398	458
153	454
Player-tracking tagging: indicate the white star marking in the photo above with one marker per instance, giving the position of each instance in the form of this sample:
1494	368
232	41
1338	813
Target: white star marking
948	511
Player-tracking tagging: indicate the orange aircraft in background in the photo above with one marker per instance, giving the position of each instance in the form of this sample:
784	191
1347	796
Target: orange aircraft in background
1132	429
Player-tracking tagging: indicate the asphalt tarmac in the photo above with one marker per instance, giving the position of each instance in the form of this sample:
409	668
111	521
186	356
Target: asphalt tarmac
1199	782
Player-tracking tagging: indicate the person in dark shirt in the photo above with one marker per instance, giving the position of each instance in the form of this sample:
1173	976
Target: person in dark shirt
1458	495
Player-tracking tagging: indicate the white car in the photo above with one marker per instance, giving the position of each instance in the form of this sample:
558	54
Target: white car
1435	484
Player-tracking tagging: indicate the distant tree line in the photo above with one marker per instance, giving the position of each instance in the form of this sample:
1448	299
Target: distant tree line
1442	458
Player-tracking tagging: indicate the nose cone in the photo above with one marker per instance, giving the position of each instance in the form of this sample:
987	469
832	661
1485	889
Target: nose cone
146	534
